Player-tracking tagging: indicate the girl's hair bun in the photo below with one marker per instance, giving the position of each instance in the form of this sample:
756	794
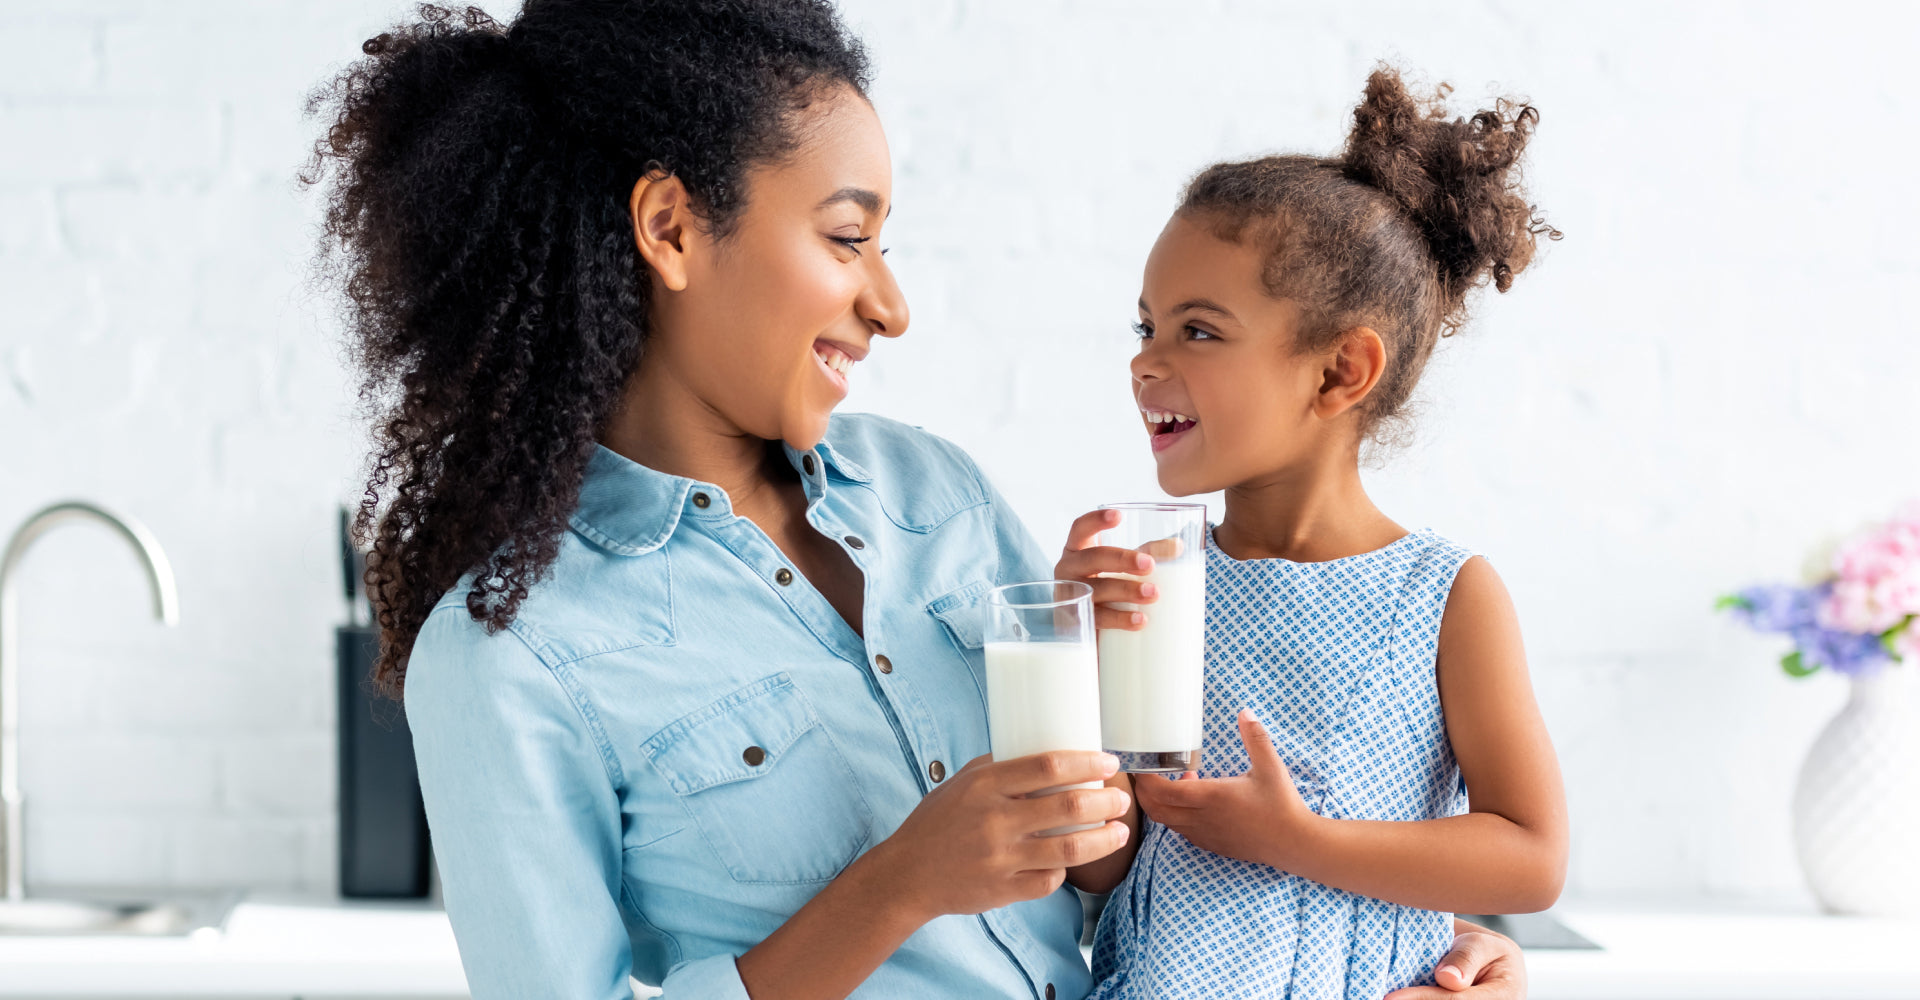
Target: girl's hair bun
1457	179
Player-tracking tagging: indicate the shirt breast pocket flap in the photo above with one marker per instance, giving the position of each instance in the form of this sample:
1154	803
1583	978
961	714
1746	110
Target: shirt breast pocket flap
962	614
763	781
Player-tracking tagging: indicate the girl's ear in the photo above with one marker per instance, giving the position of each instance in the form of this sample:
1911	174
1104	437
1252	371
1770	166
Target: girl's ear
663	226
1353	368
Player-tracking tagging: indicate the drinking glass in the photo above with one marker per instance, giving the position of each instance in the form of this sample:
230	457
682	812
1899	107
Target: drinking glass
1043	675
1152	680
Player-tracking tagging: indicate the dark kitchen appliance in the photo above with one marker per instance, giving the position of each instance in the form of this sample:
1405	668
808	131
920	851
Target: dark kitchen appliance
383	824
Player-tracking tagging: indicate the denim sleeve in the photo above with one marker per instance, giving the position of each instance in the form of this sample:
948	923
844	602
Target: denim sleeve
524	815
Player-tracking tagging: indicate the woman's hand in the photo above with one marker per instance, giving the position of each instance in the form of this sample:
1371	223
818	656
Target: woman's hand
971	845
1482	966
1095	565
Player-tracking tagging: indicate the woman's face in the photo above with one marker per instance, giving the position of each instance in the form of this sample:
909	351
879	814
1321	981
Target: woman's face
775	318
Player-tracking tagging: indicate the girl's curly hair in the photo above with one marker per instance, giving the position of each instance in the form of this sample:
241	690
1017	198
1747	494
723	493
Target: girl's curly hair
1420	209
477	221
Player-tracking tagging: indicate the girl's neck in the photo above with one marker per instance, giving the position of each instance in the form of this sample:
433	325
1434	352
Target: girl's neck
1311	513
663	425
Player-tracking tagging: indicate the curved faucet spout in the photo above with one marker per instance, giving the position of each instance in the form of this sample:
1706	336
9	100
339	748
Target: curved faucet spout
166	607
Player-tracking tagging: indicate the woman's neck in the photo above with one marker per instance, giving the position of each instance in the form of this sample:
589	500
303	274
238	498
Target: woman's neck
1310	513
663	425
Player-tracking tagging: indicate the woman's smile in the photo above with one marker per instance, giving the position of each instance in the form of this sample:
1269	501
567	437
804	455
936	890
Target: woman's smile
836	362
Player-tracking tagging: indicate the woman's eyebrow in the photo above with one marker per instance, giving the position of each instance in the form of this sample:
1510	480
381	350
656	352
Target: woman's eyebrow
862	197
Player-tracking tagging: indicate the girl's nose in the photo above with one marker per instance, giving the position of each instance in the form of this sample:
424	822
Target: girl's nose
1147	365
882	305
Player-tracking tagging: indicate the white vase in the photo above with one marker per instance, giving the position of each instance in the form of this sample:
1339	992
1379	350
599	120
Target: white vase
1856	809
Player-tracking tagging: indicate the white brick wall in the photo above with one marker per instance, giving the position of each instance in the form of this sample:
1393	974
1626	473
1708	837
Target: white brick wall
1710	374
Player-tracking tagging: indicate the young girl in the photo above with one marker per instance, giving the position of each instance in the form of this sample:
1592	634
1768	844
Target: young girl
1374	675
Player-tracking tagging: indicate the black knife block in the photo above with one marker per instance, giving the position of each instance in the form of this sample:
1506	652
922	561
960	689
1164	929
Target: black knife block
383	823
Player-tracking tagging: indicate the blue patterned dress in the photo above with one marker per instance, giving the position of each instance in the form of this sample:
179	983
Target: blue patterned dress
1337	659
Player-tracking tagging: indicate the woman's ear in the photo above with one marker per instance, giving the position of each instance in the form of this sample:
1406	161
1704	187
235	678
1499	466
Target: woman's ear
663	226
1353	368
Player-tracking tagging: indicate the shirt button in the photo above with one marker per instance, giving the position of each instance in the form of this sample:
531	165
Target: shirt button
885	665
806	462
1049	991
937	771
701	500
754	756
854	541
783	576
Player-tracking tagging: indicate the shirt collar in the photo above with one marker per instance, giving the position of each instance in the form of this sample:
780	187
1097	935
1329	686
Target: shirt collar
631	510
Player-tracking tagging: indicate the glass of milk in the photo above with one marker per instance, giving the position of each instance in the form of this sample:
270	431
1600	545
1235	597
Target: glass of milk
1043	673
1151	681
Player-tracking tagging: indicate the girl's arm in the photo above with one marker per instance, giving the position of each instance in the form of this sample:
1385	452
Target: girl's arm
1508	855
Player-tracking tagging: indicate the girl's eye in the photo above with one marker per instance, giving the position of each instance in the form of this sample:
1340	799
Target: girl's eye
853	243
1143	331
1195	333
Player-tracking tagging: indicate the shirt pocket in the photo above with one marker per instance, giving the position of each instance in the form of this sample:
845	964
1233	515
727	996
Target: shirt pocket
963	619
765	785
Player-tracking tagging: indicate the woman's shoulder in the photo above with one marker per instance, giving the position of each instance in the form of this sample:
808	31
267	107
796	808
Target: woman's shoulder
908	466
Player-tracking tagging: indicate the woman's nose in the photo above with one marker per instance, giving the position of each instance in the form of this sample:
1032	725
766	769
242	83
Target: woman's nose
882	305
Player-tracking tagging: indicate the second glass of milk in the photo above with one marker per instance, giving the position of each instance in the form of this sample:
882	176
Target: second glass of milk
1043	675
1152	681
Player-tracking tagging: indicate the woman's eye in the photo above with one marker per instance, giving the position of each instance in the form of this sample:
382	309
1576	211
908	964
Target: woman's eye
852	243
1195	333
1143	331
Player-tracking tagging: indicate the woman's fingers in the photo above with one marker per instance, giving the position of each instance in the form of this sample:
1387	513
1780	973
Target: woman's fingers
1056	768
1113	618
1078	806
1070	850
1481	965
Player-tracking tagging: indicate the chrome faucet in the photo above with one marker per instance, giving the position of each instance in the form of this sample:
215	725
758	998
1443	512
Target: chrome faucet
165	608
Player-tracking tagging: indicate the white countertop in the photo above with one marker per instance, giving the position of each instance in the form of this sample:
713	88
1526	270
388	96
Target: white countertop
285	949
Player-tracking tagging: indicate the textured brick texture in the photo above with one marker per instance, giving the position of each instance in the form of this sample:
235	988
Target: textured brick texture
1710	375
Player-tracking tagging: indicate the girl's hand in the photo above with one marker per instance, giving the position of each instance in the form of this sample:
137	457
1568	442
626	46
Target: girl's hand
1482	966
1258	816
971	845
1088	563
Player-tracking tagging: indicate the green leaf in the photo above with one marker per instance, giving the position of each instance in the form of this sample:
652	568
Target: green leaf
1892	636
1732	601
1796	666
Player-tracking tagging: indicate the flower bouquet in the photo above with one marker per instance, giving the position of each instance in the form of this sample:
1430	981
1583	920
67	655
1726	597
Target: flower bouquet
1857	801
1859	617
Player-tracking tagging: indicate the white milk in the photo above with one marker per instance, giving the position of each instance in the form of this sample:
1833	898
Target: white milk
1151	681
1043	696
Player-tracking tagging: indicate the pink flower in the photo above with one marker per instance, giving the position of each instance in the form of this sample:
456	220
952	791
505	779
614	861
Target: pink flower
1877	581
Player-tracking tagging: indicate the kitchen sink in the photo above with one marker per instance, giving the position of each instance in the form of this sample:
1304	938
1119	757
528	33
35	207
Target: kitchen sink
92	913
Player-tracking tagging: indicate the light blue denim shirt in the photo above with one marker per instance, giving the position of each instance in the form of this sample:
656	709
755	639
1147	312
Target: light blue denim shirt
679	741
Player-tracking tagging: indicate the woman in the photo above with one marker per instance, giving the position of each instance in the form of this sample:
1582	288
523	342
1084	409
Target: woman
691	667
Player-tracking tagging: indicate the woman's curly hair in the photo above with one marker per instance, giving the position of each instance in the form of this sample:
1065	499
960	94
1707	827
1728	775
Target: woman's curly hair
477	221
1420	209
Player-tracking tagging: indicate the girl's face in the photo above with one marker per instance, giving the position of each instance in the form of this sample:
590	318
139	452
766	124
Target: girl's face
774	319
1224	394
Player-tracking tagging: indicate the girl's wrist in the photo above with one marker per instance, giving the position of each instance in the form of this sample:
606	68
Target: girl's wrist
1305	836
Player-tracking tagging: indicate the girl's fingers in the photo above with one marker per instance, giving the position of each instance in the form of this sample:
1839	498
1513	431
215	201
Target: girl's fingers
1107	590
1125	621
1081	564
1087	528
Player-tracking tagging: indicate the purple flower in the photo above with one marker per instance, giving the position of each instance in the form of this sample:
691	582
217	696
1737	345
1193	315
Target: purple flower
1853	654
1777	607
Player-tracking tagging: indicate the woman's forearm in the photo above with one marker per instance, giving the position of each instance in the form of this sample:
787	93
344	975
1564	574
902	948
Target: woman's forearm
833	943
1476	863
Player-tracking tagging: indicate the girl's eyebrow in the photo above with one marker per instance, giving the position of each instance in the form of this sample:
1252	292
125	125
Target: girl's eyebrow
1195	305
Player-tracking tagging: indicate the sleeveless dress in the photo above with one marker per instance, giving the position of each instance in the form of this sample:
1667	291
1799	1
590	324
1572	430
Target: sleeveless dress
1337	659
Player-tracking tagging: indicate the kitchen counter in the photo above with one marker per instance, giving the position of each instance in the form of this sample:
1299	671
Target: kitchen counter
314	950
